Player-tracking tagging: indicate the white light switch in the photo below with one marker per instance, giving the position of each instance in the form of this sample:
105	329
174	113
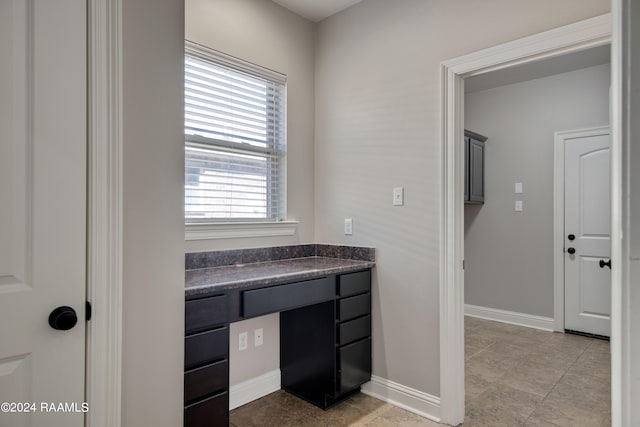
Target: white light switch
348	226
518	188
398	196
518	205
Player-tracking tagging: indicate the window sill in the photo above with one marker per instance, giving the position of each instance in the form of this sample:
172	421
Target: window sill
236	230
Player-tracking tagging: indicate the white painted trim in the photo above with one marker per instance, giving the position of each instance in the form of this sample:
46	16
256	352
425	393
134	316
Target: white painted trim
404	397
558	216
235	230
255	388
570	38
621	401
511	317
104	247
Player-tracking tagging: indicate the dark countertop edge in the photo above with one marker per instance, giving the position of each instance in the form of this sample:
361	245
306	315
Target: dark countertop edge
204	290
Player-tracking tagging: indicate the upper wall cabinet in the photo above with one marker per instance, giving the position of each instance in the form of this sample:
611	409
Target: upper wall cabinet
474	167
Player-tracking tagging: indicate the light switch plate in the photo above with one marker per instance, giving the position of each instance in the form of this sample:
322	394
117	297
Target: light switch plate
518	188
398	196
348	226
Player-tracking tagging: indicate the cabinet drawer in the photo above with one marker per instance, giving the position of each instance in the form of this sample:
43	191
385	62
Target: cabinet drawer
205	313
284	297
354	330
208	379
351	307
205	347
354	283
355	365
211	412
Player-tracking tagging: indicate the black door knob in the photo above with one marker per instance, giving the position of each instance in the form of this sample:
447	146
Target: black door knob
63	318
571	237
571	250
604	264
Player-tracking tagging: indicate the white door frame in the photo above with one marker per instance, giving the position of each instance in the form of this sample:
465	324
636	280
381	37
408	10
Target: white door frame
104	246
558	216
570	38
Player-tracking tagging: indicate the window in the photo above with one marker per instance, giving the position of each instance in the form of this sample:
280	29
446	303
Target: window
234	139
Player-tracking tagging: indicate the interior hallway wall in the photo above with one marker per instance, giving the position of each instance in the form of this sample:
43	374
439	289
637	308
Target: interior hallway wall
378	127
153	221
508	254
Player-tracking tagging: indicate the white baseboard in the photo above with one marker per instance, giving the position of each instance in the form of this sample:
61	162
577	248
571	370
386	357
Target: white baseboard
504	316
255	388
408	398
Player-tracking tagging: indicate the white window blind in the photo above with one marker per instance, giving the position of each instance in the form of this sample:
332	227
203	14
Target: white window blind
234	139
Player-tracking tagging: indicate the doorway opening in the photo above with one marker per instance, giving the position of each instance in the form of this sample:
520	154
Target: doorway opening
576	37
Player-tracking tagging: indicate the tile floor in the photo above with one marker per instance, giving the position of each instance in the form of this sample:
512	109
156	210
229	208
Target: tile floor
515	376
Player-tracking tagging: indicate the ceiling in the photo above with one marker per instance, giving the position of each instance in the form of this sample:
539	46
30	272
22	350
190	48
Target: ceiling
316	10
539	69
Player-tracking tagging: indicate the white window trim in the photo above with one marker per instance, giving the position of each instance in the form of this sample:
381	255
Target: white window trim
234	230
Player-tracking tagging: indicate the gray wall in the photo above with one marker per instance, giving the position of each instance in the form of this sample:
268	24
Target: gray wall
508	254
378	126
153	275
266	34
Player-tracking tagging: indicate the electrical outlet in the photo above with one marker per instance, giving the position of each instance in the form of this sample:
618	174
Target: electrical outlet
519	206
243	339
348	226
258	337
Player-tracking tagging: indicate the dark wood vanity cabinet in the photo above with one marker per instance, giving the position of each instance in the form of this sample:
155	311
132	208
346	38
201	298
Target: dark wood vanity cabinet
325	349
325	341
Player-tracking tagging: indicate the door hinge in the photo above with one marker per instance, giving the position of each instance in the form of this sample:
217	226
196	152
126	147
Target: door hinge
87	310
463	264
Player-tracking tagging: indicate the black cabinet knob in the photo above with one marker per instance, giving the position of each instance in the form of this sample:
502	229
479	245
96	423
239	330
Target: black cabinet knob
571	251
571	237
63	318
604	264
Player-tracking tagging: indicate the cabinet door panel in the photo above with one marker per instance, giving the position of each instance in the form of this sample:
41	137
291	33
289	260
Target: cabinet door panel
354	283
208	379
354	330
476	164
467	178
284	297
212	412
352	307
355	365
199	349
205	313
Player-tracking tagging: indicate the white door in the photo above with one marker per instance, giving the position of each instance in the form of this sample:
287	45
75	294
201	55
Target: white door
587	228
42	210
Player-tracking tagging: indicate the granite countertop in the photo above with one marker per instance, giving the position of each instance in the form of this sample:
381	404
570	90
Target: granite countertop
206	280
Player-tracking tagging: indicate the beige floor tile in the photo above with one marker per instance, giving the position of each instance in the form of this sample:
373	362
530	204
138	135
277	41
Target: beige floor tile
471	323
582	398
396	417
474	385
534	421
565	415
501	406
534	377
366	403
